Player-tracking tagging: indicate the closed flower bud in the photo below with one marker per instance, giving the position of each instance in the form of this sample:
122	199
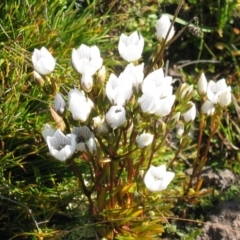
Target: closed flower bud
59	104
190	115
91	144
87	82
162	26
173	120
186	91
116	116
101	75
144	140
202	85
38	78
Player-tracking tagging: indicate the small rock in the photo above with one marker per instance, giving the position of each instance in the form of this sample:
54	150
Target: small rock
223	222
219	179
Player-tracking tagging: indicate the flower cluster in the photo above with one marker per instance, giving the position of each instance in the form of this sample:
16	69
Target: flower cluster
139	106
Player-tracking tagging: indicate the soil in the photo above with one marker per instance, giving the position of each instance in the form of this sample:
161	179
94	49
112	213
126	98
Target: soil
223	222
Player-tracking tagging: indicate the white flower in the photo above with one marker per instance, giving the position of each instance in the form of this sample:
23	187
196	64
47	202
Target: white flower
59	104
157	95
144	140
208	108
100	125
130	48
119	89
218	93
225	97
190	115
60	146
162	26
84	137
157	178
202	84
116	116
155	104
217	88
137	73
48	131
165	105
79	105
155	81
43	61
86	60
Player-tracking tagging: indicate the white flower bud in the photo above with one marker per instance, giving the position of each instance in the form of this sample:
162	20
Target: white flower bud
185	90
116	116
202	85
101	75
87	82
59	104
38	78
190	115
162	26
144	140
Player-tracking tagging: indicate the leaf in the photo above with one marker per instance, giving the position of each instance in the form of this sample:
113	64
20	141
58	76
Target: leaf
125	189
130	215
59	120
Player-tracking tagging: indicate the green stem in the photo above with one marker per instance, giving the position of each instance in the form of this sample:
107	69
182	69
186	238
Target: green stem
215	120
112	181
130	170
176	155
142	158
87	193
67	125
